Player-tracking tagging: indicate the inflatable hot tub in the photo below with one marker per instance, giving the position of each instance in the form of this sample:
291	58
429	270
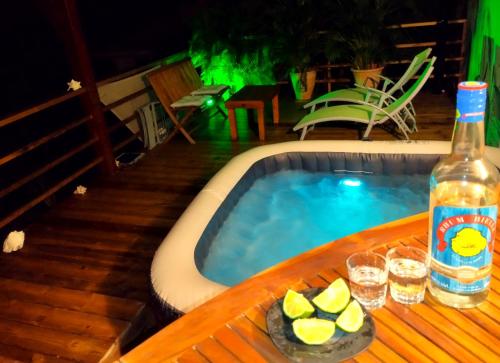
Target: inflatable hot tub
176	280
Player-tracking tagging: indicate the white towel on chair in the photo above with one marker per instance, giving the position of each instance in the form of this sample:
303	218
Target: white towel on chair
210	90
190	101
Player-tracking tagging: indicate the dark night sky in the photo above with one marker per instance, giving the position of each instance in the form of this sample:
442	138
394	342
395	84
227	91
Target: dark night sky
121	34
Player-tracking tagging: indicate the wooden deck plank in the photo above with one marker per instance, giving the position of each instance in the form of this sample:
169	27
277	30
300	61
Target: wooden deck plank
52	342
77	300
66	320
10	353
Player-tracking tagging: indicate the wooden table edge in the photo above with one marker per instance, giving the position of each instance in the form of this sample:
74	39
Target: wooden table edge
205	319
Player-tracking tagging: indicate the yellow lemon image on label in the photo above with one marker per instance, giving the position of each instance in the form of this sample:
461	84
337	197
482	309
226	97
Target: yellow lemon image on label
468	242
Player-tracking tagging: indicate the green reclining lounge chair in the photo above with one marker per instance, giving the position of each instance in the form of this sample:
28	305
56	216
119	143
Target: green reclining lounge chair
361	94
388	108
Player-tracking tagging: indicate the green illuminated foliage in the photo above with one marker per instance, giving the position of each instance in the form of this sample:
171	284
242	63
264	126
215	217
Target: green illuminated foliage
229	45
484	62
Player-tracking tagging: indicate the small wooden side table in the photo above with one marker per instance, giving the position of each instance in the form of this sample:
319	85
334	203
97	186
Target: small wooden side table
253	97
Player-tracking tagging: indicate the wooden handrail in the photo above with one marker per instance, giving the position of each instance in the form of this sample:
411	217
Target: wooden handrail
333	80
425	23
326	68
40	107
6	220
23	150
46	168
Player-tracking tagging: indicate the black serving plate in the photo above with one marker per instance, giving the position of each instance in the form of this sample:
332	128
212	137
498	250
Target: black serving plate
339	347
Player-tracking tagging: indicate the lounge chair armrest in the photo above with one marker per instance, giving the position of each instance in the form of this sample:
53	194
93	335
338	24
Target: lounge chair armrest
374	90
383	96
378	108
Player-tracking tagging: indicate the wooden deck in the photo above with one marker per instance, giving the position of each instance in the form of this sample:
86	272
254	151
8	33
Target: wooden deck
79	288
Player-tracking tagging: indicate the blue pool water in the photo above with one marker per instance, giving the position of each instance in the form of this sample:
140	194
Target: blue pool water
289	212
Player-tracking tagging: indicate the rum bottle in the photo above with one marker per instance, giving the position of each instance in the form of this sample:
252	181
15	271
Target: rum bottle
463	208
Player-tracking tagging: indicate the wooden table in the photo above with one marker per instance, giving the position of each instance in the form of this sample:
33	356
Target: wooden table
253	97
233	324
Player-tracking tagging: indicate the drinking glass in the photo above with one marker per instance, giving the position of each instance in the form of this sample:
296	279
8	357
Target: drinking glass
368	278
408	268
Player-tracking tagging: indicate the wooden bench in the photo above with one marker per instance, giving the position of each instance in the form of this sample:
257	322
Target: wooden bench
173	84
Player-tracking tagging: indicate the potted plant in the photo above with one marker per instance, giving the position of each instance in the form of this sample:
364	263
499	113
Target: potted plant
367	57
367	40
295	43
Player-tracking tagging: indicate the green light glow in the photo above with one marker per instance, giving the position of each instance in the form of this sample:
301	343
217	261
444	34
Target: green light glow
223	68
484	62
210	102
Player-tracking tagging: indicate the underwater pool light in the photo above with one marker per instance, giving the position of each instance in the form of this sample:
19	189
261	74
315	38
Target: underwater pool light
350	182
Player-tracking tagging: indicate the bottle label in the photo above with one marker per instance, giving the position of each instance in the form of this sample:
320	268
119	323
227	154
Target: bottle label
462	248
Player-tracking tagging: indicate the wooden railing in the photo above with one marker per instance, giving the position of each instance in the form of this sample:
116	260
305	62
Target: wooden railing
28	176
326	76
29	173
35	168
32	173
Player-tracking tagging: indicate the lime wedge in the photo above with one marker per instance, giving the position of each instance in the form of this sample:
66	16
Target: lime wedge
334	298
351	319
295	305
313	331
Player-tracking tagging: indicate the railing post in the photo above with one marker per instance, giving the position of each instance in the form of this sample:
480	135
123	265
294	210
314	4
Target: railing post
82	65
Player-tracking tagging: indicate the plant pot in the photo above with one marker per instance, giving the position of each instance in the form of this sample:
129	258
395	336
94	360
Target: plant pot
367	77
303	85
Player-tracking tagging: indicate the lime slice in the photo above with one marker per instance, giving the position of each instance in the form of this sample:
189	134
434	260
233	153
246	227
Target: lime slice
351	319
334	298
295	305
313	331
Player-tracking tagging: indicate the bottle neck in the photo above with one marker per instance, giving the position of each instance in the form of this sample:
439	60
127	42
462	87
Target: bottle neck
468	140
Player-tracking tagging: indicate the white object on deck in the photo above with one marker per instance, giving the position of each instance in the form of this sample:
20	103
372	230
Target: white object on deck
80	190
13	242
74	85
